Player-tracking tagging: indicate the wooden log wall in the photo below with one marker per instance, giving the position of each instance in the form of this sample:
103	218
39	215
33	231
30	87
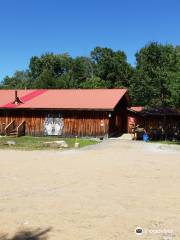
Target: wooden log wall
154	122
85	123
80	123
171	122
118	120
34	121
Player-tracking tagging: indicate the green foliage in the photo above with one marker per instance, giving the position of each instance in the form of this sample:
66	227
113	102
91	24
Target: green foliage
46	80
83	69
50	70
19	80
154	81
112	67
94	82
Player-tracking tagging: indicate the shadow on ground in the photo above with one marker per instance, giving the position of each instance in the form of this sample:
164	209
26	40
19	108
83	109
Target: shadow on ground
37	234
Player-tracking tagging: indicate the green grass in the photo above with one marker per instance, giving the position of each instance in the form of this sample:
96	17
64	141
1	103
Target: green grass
36	143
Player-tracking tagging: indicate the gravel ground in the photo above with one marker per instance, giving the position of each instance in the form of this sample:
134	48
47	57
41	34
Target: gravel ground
101	192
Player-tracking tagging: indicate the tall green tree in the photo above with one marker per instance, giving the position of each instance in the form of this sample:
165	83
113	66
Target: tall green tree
93	82
46	80
175	83
83	69
56	66
20	80
112	67
154	75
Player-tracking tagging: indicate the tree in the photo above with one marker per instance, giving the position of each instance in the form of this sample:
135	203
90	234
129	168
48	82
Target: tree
82	69
112	67
154	75
20	79
51	66
175	83
94	82
46	80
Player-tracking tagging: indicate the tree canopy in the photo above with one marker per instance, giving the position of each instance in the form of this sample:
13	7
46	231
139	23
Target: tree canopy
153	81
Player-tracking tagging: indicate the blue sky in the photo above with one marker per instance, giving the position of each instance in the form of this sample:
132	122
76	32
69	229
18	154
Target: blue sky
33	27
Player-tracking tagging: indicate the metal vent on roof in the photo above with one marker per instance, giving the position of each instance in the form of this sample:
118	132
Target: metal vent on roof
17	99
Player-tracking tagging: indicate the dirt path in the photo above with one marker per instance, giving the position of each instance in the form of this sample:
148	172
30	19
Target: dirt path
98	193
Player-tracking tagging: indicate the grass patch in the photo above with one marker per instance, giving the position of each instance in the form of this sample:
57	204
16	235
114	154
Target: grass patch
36	143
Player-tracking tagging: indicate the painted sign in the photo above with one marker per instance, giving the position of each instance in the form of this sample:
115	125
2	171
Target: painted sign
53	126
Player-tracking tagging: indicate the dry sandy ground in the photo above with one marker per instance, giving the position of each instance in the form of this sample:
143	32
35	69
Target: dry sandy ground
98	193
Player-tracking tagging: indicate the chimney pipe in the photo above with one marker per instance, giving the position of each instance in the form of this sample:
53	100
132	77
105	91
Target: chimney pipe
16	96
17	99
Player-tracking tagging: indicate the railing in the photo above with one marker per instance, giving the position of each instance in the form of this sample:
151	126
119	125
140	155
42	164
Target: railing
1	129
3	125
21	129
10	127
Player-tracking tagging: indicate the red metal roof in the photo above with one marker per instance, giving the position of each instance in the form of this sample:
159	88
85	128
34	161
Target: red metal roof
137	109
63	98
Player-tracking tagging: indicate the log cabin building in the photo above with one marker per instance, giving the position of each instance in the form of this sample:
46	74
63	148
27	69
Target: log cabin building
71	112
